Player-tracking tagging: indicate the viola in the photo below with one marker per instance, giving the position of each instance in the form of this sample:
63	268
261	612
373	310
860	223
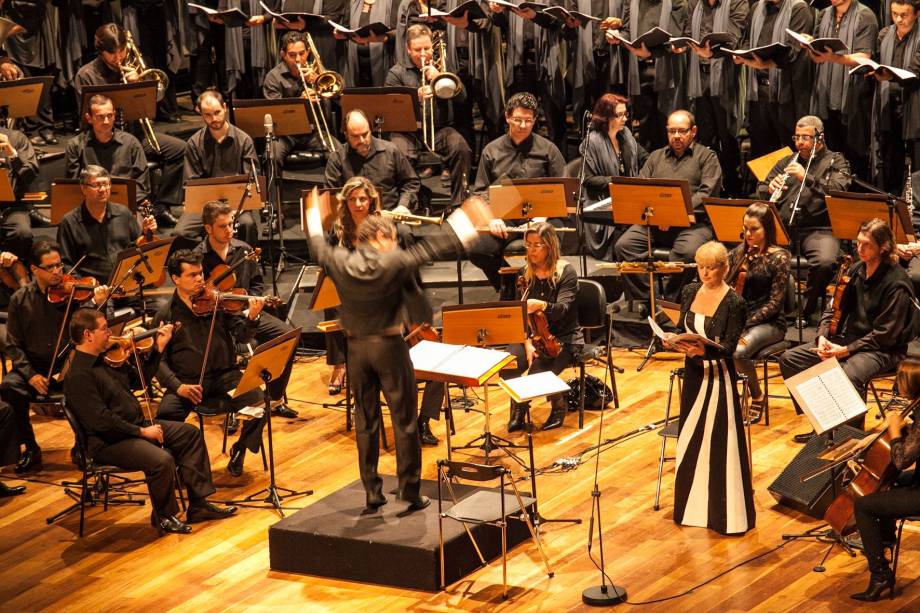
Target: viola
538	327
146	210
14	276
121	348
223	276
81	288
840	286
234	301
739	270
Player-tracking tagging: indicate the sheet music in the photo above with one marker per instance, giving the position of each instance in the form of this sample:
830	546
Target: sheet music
533	386
454	360
600	204
831	398
427	355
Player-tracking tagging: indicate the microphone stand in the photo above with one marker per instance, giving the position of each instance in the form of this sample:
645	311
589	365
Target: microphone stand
579	195
891	199
800	317
270	189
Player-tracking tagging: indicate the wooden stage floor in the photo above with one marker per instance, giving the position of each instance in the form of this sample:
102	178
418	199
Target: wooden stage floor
121	564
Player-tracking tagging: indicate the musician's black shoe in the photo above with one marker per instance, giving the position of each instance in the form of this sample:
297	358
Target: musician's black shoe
517	417
419	503
237	454
878	584
170	523
37	140
804	437
6	491
425	173
206	511
166	219
445	178
556	418
37	219
48	136
424	432
233	423
376	501
282	410
30	460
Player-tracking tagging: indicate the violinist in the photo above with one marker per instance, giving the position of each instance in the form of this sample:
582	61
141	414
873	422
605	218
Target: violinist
869	328
876	512
758	271
549	289
98	229
221	250
189	381
102	399
33	326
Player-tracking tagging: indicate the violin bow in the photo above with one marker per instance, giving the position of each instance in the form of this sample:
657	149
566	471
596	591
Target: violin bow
207	347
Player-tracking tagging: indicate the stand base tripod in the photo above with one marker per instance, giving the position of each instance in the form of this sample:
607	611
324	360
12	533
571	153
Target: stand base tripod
649	353
603	595
823	535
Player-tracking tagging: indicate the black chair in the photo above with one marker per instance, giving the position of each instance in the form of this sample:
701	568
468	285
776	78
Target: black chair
771	353
591	303
483	507
896	553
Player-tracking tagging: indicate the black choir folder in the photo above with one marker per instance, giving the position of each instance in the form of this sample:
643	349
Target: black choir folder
716	40
818	45
655	37
470	7
765	53
232	18
826	395
865	66
376	28
459	364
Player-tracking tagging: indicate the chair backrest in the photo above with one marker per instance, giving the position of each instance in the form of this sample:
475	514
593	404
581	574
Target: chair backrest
471	471
591	303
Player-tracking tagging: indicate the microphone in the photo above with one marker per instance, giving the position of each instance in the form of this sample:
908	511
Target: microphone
269	126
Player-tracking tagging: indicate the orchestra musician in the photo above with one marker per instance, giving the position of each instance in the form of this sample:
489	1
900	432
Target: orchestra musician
519	154
219	149
370	281
103	401
18	156
33	326
221	249
829	171
190	382
712	484
549	287
686	159
448	143
109	68
758	271
868	325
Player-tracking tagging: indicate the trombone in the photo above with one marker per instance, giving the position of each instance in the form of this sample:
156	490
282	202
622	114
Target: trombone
319	83
135	61
444	85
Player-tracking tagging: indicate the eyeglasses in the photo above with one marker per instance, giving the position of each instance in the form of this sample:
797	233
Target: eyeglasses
521	122
806	138
679	131
52	267
534	246
99	185
622	115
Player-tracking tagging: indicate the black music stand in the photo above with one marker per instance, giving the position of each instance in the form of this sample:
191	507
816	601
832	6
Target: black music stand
22	97
266	365
651	202
131	100
388	109
66	196
140	266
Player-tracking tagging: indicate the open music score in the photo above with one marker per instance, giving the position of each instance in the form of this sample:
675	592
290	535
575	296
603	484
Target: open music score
460	364
528	387
826	395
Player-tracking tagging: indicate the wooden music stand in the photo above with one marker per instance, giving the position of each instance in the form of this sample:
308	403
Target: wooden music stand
328	207
325	295
156	252
22	97
762	166
727	216
66	196
6	187
529	198
388	109
131	100
289	116
849	210
199	192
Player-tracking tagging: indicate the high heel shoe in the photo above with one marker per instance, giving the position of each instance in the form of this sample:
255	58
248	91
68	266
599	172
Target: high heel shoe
337	381
877	586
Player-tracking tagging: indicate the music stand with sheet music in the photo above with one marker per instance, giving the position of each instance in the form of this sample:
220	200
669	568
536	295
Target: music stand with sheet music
727	218
529	198
66	196
265	365
6	187
388	109
651	202
131	100
22	97
230	189
849	210
289	116
140	266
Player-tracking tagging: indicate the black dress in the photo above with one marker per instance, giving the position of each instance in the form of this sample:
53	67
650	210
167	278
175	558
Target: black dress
712	488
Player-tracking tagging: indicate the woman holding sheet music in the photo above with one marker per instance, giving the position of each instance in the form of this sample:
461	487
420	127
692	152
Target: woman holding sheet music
712	488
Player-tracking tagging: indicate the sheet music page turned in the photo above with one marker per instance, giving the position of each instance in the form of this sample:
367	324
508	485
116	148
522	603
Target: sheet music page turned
443	361
527	387
826	395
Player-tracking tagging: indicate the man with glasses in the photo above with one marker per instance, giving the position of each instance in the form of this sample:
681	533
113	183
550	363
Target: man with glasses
98	230
697	164
32	332
828	171
519	154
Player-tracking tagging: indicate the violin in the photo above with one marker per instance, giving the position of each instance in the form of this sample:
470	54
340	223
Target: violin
422	332
146	210
538	326
81	288
14	276
121	348
234	301
739	270
223	276
840	286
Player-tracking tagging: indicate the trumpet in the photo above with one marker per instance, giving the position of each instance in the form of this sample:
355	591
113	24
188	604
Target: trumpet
412	220
444	85
135	62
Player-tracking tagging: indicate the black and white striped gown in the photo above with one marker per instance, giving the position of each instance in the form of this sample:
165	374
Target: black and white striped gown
712	488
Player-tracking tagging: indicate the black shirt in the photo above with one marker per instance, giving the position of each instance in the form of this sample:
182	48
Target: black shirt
407	75
31	330
699	166
533	158
385	166
123	157
280	83
827	173
24	167
185	351
561	308
205	158
80	234
248	274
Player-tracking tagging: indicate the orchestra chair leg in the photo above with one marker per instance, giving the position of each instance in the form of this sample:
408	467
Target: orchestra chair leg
669	430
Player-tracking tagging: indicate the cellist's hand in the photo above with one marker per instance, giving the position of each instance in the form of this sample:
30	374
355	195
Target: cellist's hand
192	393
534	305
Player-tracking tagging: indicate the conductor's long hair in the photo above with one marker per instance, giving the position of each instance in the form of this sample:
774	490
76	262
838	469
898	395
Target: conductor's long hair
547	235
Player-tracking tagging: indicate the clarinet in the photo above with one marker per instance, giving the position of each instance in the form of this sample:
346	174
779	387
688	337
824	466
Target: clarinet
775	196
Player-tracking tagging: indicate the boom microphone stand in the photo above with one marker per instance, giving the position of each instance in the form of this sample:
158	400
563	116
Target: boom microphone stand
800	316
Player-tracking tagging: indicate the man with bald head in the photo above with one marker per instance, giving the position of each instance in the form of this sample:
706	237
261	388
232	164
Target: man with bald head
377	160
682	158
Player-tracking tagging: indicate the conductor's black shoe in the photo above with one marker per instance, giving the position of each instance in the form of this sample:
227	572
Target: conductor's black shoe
171	523
207	511
237	454
233	423
166	219
30	460
38	220
804	437
374	502
419	503
424	432
283	410
6	491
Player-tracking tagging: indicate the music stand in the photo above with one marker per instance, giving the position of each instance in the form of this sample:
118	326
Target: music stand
849	210
529	198
6	187
289	116
131	100
651	202
231	190
482	325
139	266
22	97
388	109
328	207
727	215
762	166
266	365
66	196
